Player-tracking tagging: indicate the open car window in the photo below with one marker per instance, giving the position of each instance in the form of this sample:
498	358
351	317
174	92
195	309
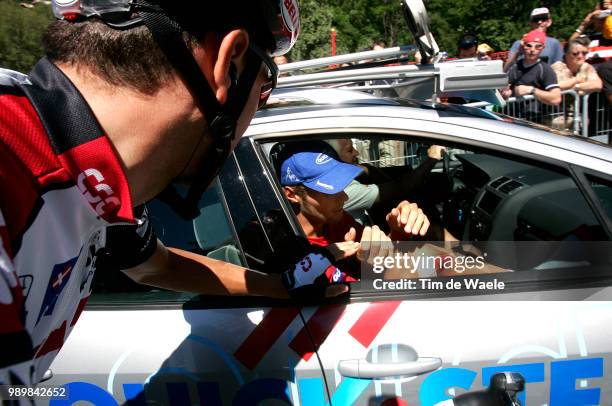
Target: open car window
511	213
218	233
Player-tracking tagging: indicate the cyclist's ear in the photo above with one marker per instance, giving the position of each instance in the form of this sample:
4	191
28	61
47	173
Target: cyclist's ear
216	57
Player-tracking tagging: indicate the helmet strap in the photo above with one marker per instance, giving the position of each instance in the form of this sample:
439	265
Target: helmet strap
221	119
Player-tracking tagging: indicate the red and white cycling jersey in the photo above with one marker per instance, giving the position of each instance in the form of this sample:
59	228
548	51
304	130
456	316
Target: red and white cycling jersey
61	186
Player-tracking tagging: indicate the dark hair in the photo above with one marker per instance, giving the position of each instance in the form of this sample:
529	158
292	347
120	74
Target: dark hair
584	41
131	58
467	41
380	42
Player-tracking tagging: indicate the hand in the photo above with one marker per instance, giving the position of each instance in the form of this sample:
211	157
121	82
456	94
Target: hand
522	90
408	219
342	250
590	17
506	92
374	243
436	152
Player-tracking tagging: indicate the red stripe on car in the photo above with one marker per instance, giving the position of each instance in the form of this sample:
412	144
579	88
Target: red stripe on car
373	319
320	325
261	339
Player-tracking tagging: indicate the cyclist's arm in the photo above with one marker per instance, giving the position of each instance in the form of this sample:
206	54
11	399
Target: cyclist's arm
184	271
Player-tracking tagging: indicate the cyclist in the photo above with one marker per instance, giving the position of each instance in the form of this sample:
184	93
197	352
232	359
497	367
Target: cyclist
131	96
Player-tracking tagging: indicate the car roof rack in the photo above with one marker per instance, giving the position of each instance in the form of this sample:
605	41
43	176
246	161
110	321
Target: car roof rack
451	78
385	73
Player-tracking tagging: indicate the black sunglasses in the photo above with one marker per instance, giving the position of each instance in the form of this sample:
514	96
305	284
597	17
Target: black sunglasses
540	19
583	53
271	71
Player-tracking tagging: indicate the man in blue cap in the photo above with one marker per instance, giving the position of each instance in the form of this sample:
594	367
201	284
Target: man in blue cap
314	182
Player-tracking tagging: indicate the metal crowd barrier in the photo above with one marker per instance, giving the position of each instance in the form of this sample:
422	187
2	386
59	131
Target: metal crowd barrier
385	153
596	117
565	116
589	115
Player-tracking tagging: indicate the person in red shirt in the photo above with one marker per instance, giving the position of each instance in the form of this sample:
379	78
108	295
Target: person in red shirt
314	184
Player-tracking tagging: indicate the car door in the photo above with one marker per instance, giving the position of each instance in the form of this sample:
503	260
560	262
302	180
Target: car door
140	345
546	319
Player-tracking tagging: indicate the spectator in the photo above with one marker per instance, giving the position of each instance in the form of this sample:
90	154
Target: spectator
531	76
574	72
541	20
594	24
467	46
280	60
484	52
379	45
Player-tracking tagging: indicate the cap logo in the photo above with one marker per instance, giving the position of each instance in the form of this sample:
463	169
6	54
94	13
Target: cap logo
290	176
325	185
322	159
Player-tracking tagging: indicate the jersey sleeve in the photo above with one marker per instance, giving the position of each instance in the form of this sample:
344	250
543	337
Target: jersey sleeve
549	78
16	352
128	246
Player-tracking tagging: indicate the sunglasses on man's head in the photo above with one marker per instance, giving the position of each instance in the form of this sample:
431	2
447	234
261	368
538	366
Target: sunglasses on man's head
271	71
534	45
539	19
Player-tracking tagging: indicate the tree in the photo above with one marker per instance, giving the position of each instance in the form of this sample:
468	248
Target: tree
316	21
360	22
20	34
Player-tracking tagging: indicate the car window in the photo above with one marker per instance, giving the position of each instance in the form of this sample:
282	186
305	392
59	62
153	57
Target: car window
213	233
513	213
603	191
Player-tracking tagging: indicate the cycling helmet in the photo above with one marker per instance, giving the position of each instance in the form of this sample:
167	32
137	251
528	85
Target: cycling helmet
282	17
167	20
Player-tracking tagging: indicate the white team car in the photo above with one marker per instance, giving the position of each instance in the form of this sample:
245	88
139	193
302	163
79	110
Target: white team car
547	197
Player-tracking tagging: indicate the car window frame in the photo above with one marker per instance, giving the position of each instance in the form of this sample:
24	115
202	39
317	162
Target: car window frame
581	175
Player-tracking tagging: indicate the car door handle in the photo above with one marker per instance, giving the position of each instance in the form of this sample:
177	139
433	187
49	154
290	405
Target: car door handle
47	375
387	361
361	368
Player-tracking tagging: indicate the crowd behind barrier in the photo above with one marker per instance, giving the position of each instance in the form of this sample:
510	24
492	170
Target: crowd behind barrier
593	119
588	115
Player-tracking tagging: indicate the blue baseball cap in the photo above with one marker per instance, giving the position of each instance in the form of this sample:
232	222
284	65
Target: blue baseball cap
317	171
